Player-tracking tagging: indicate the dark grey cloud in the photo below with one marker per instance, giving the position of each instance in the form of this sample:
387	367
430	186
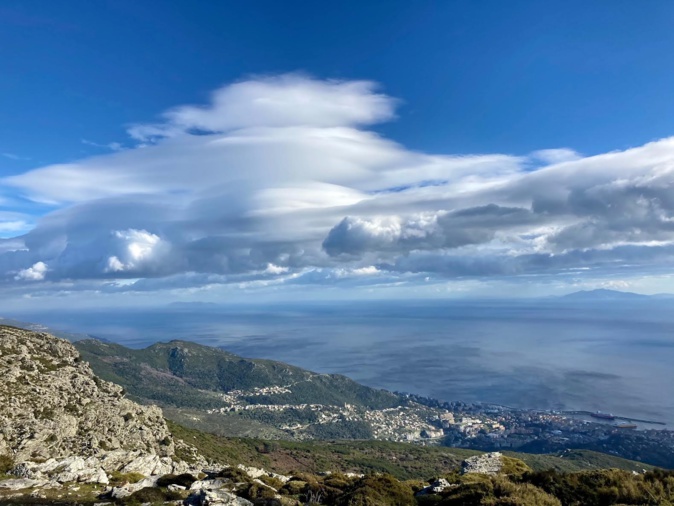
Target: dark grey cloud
473	225
621	260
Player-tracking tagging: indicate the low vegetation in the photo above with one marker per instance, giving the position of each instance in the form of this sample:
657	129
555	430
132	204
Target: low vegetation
547	488
403	460
6	465
118	478
533	488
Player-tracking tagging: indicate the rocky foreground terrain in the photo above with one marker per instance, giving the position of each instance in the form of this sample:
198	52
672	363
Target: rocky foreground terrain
69	437
54	406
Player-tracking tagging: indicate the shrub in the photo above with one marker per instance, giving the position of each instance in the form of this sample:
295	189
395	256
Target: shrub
184	480
118	478
271	481
476	490
378	490
309	478
235	474
513	466
294	487
416	485
6	463
521	494
257	491
152	495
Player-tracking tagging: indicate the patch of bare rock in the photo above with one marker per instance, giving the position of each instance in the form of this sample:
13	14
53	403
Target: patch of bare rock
487	463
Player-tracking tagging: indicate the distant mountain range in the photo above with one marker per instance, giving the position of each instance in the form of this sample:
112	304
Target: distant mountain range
604	294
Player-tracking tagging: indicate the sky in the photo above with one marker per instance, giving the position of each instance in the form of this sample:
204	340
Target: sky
261	150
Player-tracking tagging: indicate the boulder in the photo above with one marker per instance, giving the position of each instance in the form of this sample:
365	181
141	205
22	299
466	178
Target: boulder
216	498
70	469
130	488
149	465
214	484
488	463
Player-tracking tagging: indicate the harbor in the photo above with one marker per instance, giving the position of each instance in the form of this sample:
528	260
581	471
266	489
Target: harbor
625	422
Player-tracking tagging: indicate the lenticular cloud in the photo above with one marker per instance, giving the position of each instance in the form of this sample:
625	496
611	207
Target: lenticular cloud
284	179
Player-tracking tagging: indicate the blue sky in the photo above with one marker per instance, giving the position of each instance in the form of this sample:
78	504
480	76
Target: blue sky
214	149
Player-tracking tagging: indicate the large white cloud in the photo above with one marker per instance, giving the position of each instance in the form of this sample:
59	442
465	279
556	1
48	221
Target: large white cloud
278	101
279	178
36	272
137	249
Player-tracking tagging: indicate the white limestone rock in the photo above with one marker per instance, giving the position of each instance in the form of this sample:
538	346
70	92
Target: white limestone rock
62	423
216	498
488	463
256	472
437	487
21	483
56	406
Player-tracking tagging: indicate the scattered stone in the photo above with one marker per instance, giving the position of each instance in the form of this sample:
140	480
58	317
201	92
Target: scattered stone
437	487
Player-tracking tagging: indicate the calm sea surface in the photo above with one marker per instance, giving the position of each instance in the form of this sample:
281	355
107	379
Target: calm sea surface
608	356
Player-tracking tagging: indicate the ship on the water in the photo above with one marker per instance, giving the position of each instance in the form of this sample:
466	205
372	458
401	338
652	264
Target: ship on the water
626	426
602	416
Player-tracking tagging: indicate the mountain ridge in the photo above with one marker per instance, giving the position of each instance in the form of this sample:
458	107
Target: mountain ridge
194	363
604	294
217	391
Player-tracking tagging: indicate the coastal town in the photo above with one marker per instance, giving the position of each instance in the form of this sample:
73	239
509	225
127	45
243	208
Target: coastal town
493	427
425	421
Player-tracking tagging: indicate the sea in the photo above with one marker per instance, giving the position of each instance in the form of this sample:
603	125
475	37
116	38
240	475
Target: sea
610	356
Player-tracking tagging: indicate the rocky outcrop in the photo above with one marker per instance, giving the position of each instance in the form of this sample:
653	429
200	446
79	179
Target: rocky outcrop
487	463
96	469
436	487
61	422
256	472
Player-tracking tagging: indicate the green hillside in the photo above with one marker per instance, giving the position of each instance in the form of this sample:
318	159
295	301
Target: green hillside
188	375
